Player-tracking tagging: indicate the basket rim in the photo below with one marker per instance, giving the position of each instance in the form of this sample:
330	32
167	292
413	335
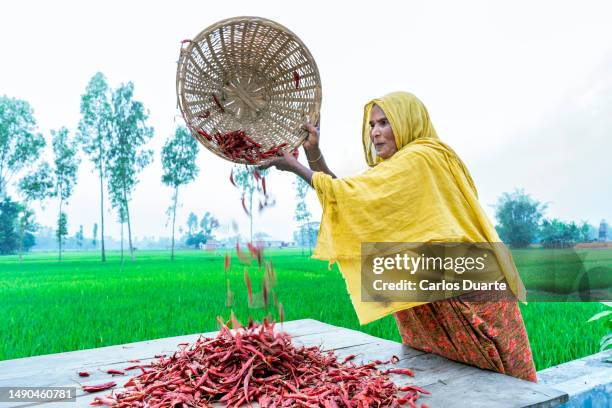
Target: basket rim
313	117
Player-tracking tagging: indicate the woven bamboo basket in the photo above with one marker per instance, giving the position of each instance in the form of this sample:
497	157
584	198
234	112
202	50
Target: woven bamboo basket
252	75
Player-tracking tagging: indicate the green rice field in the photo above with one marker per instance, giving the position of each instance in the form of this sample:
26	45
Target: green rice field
50	307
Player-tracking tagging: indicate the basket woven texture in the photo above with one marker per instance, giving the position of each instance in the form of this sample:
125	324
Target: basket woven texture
248	74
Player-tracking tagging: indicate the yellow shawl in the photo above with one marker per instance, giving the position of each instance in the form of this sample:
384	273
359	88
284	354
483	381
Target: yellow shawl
423	193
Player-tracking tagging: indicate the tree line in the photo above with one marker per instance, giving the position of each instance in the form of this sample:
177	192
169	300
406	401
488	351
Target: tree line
521	222
112	133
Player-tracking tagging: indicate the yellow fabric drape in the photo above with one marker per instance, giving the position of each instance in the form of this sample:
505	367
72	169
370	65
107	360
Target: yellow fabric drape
423	193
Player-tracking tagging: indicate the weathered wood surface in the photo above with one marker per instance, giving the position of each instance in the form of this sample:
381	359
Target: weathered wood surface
451	384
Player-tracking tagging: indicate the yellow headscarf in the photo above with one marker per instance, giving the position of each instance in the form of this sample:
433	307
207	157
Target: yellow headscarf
408	117
423	193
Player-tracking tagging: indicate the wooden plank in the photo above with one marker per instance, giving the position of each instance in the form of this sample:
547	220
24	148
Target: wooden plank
487	389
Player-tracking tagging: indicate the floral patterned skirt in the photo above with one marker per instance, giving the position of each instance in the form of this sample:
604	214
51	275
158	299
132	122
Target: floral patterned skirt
487	334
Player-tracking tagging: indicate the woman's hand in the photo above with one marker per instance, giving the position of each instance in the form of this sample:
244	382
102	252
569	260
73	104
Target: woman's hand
287	162
311	143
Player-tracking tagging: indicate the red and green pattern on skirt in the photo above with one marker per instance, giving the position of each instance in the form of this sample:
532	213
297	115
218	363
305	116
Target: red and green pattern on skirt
487	334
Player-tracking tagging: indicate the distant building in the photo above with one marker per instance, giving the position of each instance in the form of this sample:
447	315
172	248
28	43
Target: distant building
274	243
603	231
211	245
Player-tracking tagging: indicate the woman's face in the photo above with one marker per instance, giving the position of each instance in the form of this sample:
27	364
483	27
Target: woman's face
381	133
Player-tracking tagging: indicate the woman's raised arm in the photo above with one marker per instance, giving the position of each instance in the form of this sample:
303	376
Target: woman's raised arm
315	158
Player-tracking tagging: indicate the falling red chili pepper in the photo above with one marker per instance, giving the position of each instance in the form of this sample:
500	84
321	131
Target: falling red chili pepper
296	79
228	294
226	263
252	249
263	185
235	323
186	41
281	312
247	281
232	178
265	291
244	206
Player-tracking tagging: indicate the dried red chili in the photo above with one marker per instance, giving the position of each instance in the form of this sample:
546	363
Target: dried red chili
227	262
296	79
232	178
259	364
99	387
247	281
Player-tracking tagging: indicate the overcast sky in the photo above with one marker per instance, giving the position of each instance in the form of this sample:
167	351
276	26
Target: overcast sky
521	90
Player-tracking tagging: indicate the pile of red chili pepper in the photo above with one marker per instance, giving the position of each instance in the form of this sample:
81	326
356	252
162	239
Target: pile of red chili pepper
259	364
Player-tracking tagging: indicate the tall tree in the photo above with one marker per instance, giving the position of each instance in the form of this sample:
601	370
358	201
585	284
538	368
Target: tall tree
585	232
79	237
20	144
245	180
94	134
302	215
9	218
178	158
62	231
66	164
558	234
518	217
94	240
208	225
127	156
192	224
603	231
36	186
121	218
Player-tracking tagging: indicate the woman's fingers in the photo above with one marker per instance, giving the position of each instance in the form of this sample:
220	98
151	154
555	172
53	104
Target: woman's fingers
271	163
310	128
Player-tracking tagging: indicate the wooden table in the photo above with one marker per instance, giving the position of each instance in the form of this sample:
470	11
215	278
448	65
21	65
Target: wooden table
451	384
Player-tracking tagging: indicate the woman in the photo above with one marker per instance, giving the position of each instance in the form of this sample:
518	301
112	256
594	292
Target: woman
416	190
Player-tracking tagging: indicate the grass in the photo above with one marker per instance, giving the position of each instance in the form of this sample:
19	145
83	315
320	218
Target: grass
50	306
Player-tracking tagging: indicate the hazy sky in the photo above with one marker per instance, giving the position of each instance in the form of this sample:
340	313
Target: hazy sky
521	90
